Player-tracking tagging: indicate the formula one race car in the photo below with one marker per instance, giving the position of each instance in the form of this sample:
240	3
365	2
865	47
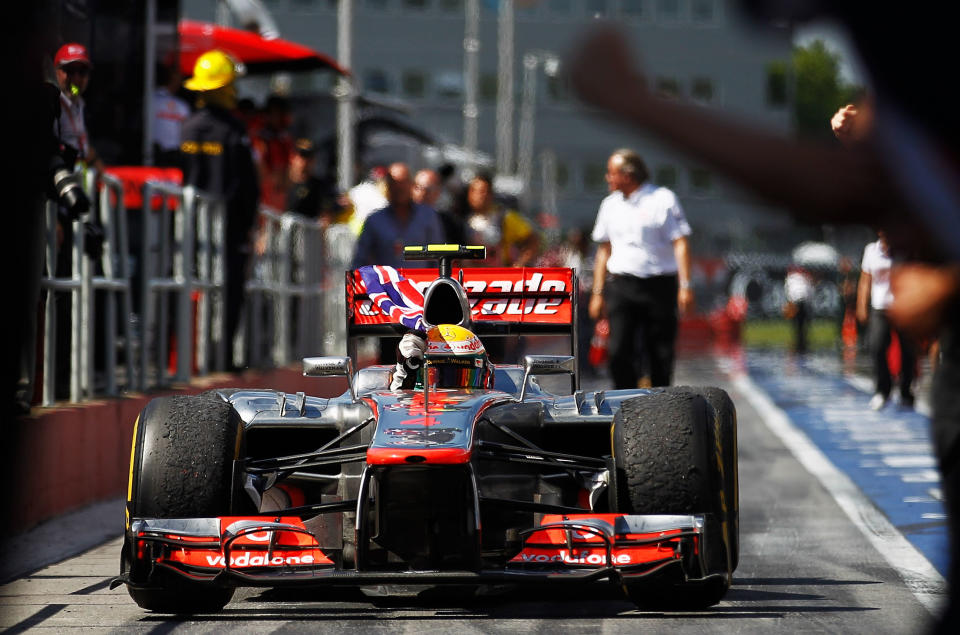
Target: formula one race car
476	475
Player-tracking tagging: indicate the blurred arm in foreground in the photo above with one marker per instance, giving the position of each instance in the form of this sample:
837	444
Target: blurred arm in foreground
856	184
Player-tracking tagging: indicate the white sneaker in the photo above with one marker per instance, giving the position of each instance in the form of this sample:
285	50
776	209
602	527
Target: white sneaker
878	401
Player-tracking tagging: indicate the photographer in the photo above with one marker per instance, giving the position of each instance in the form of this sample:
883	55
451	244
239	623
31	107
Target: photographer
58	183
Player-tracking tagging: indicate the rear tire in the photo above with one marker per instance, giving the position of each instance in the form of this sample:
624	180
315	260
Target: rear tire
182	456
664	453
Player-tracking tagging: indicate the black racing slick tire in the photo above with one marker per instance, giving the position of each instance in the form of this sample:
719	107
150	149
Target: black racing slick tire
725	428
181	467
665	455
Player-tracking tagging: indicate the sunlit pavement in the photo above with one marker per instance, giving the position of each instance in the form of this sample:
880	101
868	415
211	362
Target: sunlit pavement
887	454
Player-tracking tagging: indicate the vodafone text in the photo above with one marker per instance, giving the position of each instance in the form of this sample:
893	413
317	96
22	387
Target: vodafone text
247	560
575	557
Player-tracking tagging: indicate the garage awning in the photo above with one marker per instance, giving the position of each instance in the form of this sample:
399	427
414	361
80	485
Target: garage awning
258	54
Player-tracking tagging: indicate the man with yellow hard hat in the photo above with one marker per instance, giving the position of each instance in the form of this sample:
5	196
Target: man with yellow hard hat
216	158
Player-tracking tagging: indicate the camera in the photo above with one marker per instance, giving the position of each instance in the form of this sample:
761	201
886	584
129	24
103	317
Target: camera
69	193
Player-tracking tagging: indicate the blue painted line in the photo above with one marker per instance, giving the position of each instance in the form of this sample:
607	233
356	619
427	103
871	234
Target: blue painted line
887	454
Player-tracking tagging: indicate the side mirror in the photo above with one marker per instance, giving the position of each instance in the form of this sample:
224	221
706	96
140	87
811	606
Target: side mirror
546	365
330	367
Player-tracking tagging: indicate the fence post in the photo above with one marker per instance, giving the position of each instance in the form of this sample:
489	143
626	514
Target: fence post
183	273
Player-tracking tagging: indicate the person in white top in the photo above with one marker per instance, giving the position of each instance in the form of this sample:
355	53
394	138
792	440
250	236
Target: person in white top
874	298
641	274
798	288
169	111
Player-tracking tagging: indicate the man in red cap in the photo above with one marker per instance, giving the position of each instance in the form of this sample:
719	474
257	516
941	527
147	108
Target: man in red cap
72	64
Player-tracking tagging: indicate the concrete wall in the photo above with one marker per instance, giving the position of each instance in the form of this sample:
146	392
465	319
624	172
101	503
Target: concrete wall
61	459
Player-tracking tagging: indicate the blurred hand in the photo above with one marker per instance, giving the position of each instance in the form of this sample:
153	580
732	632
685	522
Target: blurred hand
596	307
685	300
921	294
603	73
842	122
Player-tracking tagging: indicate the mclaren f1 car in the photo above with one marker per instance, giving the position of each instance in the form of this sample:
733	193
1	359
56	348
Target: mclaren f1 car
474	474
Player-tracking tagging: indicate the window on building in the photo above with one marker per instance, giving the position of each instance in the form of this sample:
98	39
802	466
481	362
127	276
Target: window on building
701	90
631	8
594	177
560	7
665	176
667	87
376	81
701	181
598	8
488	86
668	10
451	6
563	174
415	5
703	10
449	84
414	83
528	10
777	84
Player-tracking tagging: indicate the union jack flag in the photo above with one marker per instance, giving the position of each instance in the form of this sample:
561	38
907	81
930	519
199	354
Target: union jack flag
394	295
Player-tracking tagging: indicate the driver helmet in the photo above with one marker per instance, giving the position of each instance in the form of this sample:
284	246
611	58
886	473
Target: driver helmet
456	358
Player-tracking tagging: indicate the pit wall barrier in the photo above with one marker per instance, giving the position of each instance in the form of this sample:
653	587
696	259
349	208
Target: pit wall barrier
62	459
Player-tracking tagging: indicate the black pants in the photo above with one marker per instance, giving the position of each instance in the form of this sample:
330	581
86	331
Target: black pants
879	334
800	320
647	306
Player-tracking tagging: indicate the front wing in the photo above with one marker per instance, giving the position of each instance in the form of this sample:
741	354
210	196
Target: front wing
256	551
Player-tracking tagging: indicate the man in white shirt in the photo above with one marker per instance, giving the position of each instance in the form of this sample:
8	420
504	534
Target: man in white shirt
873	299
641	274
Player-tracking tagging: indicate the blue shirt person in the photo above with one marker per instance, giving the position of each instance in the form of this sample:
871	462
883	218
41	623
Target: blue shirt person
402	222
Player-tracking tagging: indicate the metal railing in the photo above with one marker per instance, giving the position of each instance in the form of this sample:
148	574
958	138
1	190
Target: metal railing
176	329
183	273
107	277
295	305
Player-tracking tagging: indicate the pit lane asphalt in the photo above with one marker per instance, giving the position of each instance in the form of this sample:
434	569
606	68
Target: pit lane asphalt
805	567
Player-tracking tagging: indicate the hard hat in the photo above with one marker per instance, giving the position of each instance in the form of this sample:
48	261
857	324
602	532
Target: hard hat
456	358
212	70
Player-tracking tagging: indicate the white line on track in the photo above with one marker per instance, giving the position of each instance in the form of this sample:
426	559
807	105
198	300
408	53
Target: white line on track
923	580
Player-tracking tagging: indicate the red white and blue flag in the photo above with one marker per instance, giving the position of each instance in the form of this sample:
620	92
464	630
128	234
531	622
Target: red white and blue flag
395	296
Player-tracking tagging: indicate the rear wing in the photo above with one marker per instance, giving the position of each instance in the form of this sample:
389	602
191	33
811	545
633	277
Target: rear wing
504	301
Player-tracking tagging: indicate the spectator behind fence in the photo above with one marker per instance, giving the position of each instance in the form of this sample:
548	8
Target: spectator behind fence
308	194
169	112
387	231
73	69
510	239
427	190
402	222
642	270
907	163
217	159
272	146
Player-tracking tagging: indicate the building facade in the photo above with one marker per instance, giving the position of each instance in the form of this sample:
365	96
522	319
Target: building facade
702	51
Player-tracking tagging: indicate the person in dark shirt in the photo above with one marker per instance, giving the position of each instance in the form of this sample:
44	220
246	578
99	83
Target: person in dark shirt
217	160
309	194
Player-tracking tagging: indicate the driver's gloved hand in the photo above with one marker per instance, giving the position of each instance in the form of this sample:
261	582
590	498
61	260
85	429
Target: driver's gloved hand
410	354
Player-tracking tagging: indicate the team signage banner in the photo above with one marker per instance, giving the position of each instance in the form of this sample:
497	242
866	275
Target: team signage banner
529	295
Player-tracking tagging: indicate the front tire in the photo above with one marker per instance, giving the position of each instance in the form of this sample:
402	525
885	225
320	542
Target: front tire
664	454
182	467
